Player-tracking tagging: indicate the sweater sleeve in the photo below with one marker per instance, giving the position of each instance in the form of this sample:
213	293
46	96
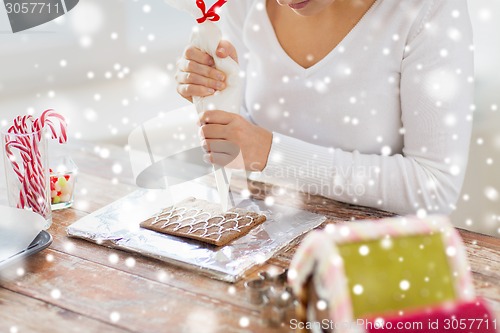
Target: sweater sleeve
436	94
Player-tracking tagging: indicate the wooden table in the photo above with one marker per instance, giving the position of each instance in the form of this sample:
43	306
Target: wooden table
77	286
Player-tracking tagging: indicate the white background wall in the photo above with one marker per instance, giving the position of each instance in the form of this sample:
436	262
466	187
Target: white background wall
108	65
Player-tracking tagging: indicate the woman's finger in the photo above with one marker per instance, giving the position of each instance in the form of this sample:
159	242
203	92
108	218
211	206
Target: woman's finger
193	78
190	90
225	49
221	146
191	66
197	55
216	117
213	131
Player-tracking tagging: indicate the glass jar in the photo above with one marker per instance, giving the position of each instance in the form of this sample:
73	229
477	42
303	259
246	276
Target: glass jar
27	172
63	173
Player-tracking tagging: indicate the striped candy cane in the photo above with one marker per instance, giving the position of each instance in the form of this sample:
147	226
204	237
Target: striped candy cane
25	136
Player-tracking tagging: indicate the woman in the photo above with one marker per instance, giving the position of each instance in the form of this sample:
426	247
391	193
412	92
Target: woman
363	101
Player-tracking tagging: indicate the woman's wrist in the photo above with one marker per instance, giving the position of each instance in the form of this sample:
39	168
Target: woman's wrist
267	138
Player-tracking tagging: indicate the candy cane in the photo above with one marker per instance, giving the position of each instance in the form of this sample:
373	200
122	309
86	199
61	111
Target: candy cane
33	191
28	184
51	118
29	188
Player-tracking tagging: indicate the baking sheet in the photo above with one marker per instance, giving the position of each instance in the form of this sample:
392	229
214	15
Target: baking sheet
117	226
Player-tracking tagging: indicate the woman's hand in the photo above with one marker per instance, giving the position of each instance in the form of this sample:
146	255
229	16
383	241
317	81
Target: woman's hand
196	74
226	134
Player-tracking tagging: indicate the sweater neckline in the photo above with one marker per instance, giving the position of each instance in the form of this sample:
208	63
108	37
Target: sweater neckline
339	48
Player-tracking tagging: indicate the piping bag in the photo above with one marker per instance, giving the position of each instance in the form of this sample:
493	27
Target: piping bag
206	36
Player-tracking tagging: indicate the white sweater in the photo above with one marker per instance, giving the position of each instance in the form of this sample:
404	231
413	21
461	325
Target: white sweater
384	120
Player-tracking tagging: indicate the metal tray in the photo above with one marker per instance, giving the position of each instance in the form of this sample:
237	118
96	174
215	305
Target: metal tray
117	226
41	242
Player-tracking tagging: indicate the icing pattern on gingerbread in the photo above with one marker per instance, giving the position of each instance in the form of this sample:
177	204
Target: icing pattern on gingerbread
194	221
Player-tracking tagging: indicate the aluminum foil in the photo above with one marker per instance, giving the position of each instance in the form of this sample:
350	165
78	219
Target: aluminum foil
117	226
